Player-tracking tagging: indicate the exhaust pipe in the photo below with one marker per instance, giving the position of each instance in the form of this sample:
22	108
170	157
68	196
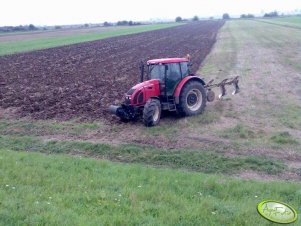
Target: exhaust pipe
141	71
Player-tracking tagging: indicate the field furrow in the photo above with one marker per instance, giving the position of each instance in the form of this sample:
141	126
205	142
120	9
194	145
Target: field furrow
82	80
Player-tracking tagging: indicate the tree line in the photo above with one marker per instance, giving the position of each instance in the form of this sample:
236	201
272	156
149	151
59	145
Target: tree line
29	27
122	23
226	16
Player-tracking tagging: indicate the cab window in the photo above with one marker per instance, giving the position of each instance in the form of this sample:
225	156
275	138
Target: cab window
184	69
156	71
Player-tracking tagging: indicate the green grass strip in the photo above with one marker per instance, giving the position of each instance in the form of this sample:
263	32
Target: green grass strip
207	161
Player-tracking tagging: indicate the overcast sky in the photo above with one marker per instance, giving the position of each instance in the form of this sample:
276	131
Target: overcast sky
58	12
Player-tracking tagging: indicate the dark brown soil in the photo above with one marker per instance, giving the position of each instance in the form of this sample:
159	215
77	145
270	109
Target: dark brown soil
82	80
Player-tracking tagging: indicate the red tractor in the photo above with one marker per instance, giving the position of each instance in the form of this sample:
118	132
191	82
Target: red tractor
170	86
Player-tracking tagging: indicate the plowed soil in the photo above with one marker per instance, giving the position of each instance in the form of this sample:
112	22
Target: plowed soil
82	80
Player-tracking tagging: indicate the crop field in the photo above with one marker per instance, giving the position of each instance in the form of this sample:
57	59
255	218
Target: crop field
28	41
73	81
65	161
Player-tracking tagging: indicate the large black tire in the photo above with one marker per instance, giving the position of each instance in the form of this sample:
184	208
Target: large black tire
192	100
152	112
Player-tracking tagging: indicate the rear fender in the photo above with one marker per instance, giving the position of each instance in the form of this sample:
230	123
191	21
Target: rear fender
182	83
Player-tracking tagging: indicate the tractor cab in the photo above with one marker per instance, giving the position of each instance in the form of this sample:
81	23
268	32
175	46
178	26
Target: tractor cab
169	71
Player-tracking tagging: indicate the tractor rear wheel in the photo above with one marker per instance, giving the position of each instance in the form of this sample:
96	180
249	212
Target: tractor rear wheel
152	112
192	99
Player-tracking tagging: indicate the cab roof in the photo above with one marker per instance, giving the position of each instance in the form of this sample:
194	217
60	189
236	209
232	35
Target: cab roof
167	60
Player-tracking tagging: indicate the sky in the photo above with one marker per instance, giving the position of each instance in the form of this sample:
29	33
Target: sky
59	12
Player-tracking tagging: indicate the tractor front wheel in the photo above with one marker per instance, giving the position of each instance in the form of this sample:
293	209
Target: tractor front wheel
192	99
152	112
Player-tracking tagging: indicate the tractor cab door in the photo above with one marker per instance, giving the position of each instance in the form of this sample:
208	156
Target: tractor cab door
157	71
173	77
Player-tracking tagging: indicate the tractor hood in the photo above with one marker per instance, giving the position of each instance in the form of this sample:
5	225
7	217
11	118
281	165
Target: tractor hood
140	93
146	84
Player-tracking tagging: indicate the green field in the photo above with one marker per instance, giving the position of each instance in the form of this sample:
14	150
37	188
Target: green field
9	47
37	189
293	21
211	169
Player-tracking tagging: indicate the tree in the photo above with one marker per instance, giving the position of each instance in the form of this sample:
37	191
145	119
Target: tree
122	23
107	24
226	16
271	14
247	16
178	19
195	18
131	23
31	27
